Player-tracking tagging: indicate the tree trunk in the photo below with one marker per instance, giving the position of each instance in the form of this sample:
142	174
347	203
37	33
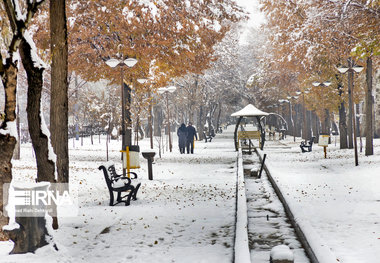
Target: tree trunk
327	124
34	228
369	110
17	151
316	128
7	140
91	134
218	116
342	126
150	123
298	120
157	120
8	73
40	140
308	124
37	127
295	121
59	88
128	119
200	126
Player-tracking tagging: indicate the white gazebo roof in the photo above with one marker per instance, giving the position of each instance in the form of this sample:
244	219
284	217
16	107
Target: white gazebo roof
249	111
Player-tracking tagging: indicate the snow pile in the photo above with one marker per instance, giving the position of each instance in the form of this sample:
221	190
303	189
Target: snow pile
281	252
11	129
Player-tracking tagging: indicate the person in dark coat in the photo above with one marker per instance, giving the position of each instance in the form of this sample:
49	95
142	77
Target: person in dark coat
182	137
191	133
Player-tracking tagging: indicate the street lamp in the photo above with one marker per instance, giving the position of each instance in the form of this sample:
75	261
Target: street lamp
125	138
351	69
284	125
322	84
142	80
166	90
291	115
326	111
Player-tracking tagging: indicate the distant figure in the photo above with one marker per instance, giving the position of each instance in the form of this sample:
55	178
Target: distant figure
191	133
182	137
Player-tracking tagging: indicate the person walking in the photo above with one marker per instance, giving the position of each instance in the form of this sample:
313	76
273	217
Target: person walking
182	137
191	133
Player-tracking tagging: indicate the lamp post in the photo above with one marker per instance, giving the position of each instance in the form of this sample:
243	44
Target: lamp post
326	111
281	103
291	115
166	90
283	127
321	84
129	62
351	69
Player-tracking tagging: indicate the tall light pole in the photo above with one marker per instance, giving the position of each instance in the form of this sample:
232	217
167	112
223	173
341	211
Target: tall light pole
291	115
166	90
351	69
326	111
129	62
282	128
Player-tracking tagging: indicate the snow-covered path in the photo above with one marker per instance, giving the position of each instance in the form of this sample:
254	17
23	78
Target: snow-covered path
268	224
337	203
186	214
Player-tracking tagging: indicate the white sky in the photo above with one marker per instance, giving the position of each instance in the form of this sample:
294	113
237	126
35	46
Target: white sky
252	6
256	18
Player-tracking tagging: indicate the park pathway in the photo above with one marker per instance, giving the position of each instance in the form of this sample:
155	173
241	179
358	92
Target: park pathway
268	225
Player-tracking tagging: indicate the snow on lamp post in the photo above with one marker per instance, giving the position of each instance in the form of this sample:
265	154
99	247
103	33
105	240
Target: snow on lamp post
166	90
351	69
129	62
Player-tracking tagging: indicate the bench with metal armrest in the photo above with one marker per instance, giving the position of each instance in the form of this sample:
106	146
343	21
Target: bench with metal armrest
119	184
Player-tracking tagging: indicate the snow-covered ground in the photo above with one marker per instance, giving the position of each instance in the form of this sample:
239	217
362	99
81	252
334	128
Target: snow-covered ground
336	202
187	213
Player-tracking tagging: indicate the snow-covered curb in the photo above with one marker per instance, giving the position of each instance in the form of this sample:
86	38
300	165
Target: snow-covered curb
242	253
312	243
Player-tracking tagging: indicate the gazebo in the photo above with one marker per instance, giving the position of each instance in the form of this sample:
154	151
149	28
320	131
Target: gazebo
250	111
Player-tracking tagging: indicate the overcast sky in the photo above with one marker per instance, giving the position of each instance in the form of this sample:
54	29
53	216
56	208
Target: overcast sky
252	6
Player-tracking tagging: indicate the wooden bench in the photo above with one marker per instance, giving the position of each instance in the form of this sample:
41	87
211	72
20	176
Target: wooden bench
247	135
271	133
307	146
119	184
208	137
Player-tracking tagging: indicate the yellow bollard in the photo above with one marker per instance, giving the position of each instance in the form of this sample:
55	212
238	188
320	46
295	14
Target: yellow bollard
130	159
128	162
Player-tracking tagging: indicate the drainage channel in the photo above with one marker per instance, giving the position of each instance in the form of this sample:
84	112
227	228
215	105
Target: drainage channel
268	224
